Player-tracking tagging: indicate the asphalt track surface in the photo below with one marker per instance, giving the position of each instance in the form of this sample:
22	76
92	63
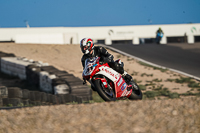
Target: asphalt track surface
174	57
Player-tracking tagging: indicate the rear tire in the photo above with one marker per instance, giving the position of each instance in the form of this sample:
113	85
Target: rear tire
136	93
100	90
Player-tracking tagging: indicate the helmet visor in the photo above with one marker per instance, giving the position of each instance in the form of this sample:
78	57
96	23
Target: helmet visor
84	48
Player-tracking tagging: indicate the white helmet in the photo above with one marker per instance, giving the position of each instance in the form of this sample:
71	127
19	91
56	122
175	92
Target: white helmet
86	45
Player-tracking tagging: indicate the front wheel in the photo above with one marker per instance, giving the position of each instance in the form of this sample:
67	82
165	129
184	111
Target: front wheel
136	93
105	93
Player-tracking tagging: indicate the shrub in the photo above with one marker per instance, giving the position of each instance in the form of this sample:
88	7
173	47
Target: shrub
130	59
134	73
157	80
142	87
183	80
197	94
118	56
174	95
20	105
164	92
175	88
188	94
156	68
158	88
151	84
170	80
193	85
135	80
144	74
10	105
151	94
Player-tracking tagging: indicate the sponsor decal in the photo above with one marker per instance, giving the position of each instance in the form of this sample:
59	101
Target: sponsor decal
94	65
109	72
125	93
193	29
119	83
115	76
123	86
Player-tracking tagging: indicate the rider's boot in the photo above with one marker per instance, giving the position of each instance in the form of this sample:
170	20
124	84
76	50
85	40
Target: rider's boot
126	77
129	87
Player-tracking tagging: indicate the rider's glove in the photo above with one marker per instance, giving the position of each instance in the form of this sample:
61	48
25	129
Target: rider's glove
84	81
100	62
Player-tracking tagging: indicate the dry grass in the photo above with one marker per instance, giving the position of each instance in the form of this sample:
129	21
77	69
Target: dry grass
166	116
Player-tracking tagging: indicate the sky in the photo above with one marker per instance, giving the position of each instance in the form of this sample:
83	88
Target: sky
84	13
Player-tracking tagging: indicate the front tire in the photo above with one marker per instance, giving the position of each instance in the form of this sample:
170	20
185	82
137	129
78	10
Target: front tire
101	90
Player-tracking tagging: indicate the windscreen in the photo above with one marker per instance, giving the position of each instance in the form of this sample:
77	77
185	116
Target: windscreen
89	65
90	60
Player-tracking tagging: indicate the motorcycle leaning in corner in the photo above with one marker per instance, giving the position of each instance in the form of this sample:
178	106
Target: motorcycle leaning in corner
108	83
159	37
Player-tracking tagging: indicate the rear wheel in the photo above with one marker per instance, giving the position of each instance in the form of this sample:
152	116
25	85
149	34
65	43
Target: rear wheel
105	93
136	93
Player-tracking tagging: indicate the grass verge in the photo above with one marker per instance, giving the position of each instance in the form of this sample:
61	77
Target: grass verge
155	68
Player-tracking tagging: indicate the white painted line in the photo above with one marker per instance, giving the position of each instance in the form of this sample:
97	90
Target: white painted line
150	63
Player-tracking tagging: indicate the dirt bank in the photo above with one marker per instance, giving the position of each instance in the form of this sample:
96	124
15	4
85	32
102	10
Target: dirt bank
154	116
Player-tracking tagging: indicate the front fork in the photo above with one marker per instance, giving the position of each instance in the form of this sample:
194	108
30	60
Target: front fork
103	80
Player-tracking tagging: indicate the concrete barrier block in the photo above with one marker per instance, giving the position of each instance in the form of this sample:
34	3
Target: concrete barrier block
3	66
38	96
1	101
25	94
22	76
12	101
61	89
3	91
44	97
25	102
6	71
46	81
32	96
43	80
14	92
50	78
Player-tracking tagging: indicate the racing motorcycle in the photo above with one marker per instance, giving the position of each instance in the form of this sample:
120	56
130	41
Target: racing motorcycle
108	83
159	37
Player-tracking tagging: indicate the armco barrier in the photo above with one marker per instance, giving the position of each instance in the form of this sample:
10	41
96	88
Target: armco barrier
54	86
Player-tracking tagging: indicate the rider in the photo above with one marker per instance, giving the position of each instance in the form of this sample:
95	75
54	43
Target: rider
88	49
158	37
159	31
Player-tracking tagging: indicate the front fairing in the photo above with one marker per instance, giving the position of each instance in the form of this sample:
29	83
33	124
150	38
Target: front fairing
121	88
120	85
90	66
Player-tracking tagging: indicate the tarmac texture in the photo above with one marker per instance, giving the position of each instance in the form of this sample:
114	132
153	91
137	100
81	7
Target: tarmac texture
183	57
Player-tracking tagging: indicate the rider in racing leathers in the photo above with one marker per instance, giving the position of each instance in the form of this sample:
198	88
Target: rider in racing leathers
159	31
88	49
